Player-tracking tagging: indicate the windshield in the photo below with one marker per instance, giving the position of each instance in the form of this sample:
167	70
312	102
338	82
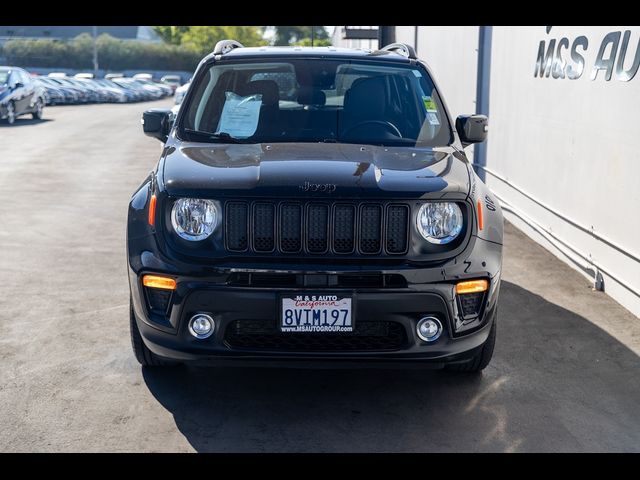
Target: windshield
316	100
4	77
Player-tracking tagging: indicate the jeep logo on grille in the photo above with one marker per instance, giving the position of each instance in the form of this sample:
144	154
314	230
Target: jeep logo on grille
318	187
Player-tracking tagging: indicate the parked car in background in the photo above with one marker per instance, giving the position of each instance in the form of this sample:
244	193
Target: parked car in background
70	93
82	94
143	76
119	94
135	89
179	97
53	95
93	94
180	93
19	95
60	89
152	90
111	76
167	89
174	81
160	89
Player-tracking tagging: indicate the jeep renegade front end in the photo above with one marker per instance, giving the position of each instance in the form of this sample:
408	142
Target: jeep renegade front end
314	206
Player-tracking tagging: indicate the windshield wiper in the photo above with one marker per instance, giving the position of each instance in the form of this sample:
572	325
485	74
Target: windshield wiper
215	136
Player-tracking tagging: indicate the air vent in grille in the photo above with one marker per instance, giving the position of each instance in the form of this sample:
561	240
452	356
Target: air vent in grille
317	231
263	227
236	226
290	228
397	218
264	335
343	228
371	216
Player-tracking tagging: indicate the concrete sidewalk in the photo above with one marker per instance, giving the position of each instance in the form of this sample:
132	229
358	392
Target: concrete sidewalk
532	267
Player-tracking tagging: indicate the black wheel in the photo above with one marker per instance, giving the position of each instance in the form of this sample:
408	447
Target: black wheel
145	356
482	359
11	113
37	114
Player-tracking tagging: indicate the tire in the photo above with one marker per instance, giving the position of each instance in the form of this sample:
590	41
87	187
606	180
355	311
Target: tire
37	115
11	113
482	359
145	357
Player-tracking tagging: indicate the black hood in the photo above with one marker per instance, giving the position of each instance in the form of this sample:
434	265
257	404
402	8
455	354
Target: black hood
312	170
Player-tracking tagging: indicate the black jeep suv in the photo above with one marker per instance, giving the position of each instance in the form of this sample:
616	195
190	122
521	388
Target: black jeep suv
314	206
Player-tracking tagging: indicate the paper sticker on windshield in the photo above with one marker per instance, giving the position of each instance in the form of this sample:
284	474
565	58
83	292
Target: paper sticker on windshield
417	73
429	104
240	115
432	118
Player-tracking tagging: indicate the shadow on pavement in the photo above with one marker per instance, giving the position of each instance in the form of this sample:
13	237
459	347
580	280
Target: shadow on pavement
23	122
557	383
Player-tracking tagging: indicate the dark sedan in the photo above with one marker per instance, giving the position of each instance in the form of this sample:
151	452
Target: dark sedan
19	95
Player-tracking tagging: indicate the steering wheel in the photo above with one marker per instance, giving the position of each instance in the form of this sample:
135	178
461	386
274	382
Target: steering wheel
384	123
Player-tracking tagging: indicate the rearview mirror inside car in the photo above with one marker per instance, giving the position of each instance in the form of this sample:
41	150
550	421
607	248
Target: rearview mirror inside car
157	122
472	128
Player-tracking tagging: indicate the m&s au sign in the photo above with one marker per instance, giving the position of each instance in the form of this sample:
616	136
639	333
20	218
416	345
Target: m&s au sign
616	57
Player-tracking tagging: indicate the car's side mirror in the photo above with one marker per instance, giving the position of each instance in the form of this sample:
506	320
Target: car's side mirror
17	85
472	128
157	122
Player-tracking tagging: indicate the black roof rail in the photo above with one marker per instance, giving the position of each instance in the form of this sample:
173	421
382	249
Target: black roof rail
225	46
403	49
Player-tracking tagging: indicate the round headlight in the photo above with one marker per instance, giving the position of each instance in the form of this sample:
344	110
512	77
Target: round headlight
439	222
194	218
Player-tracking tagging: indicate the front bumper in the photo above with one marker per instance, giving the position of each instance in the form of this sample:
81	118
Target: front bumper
167	334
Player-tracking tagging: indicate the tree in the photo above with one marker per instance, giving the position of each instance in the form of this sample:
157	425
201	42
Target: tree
202	39
288	35
171	35
306	42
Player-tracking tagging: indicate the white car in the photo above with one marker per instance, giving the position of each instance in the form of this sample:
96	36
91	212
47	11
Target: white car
181	92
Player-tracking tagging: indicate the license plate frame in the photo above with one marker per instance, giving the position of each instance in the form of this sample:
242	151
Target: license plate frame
342	298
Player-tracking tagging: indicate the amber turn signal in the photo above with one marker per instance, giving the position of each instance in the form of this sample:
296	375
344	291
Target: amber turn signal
472	286
480	217
152	210
155	281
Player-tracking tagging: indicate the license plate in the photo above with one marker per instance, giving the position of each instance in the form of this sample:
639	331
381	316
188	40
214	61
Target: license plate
316	314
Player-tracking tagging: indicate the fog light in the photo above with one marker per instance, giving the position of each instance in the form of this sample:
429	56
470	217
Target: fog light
201	326
429	329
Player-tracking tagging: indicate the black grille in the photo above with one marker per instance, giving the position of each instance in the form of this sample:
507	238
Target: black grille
263	227
264	335
281	280
370	227
290	228
397	218
236	226
344	228
316	228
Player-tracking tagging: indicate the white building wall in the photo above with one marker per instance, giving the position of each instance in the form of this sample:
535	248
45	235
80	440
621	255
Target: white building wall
570	145
337	39
452	56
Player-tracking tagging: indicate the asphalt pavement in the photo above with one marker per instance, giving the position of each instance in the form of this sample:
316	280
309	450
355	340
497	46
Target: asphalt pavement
565	375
